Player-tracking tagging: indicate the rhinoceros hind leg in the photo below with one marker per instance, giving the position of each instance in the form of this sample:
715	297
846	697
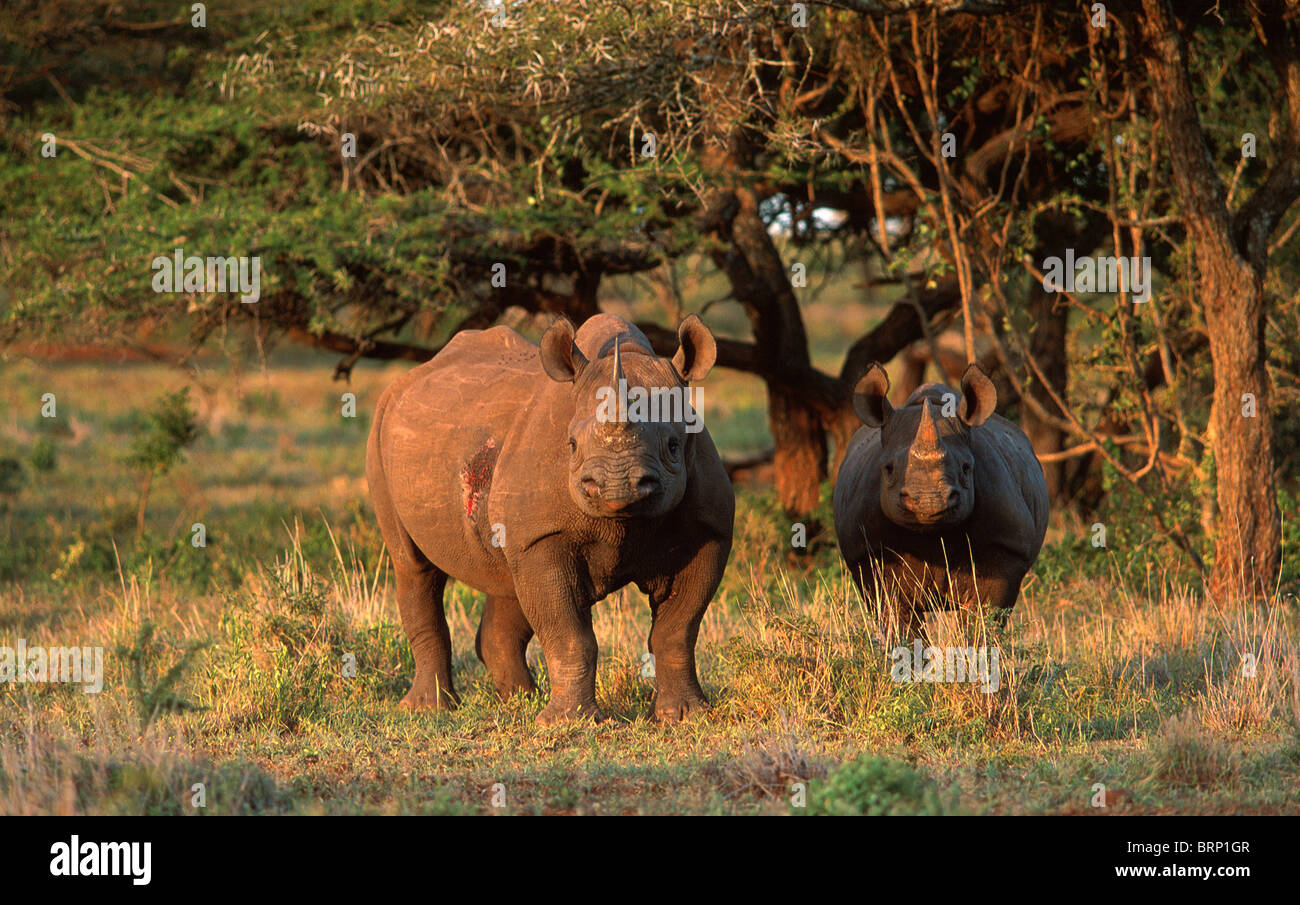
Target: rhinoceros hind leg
502	645
419	600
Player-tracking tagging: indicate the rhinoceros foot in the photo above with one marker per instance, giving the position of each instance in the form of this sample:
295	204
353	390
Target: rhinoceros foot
559	712
429	697
676	708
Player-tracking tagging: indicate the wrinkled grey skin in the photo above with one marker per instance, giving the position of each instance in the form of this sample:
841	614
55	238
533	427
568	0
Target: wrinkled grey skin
487	465
928	506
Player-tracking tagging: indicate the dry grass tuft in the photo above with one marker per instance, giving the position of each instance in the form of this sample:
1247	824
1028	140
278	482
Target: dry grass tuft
1186	754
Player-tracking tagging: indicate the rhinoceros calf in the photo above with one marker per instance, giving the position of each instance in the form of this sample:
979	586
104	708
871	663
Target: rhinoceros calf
518	471
939	502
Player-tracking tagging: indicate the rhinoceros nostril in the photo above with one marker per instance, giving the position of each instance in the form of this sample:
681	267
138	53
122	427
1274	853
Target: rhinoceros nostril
590	487
953	499
647	485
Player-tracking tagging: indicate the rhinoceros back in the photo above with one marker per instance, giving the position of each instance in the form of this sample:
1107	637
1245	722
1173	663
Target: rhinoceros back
438	431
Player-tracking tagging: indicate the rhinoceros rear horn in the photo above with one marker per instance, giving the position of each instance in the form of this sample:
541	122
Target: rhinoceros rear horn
562	359
698	350
869	397
979	396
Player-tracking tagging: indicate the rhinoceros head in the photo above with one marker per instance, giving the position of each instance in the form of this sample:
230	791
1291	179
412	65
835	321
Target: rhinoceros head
927	479
632	426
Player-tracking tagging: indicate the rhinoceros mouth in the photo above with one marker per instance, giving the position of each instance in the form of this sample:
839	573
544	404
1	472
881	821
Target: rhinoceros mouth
622	502
936	523
929	519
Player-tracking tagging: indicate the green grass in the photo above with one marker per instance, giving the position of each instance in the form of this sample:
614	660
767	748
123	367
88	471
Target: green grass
1106	678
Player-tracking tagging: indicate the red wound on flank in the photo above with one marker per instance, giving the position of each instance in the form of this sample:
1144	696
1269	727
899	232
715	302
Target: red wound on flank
476	476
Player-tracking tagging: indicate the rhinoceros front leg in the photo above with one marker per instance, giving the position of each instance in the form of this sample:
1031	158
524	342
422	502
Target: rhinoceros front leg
551	602
677	604
502	645
419	601
995	595
891	601
903	618
569	645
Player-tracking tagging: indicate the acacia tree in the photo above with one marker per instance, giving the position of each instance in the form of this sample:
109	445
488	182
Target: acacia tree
501	157
962	142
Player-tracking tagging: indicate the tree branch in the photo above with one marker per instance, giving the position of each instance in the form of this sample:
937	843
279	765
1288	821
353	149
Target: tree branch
1257	219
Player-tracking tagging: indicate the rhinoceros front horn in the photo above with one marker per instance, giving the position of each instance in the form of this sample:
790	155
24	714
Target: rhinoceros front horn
562	360
926	442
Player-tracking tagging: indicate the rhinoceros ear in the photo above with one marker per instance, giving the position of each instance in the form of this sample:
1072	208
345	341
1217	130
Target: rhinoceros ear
869	397
698	350
979	396
562	359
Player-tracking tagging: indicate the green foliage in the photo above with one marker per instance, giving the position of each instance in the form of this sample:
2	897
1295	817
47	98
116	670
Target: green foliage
1288	502
283	647
164	789
1073	557
170	427
256	127
873	786
11	476
42	455
183	563
154	691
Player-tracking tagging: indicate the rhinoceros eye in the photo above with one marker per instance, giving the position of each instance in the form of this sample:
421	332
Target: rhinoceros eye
674	445
573	445
889	469
965	468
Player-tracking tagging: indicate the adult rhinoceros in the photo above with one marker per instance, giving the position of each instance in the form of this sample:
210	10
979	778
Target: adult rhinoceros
939	502
503	465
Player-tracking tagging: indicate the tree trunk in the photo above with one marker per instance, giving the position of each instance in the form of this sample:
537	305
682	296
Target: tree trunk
761	283
1247	550
1231	263
799	464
